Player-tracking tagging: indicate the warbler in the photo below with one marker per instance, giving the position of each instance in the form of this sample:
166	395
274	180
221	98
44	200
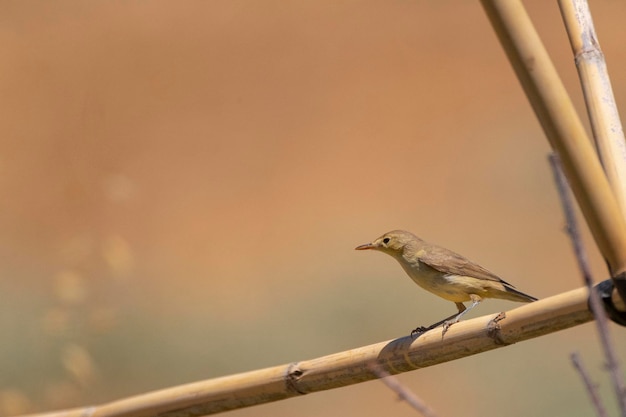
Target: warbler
444	273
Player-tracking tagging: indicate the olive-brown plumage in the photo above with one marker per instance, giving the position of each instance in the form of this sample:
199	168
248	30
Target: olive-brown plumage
444	273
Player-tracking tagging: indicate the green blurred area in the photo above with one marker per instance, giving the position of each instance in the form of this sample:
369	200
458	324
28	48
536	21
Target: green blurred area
184	184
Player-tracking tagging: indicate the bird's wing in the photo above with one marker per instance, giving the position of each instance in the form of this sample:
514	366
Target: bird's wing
451	263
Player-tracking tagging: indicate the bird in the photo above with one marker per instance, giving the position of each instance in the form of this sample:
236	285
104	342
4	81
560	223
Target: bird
444	273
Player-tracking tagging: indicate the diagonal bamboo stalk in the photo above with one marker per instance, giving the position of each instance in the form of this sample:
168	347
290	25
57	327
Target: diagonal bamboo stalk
601	107
562	126
351	367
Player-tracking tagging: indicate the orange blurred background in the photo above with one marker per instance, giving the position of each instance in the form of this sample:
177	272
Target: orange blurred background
184	183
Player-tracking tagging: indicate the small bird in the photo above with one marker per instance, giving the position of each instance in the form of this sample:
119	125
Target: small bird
444	273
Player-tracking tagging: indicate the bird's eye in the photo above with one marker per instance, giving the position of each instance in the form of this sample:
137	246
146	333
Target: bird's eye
386	240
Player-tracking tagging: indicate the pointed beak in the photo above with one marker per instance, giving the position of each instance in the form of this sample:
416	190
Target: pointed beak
366	246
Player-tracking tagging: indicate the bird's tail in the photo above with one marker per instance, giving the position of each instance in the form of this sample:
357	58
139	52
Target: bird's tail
516	295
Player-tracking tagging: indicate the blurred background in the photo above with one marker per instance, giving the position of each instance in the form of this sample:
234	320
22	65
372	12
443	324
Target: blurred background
183	185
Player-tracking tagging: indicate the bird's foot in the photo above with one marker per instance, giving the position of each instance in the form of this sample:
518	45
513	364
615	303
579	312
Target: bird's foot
446	326
418	331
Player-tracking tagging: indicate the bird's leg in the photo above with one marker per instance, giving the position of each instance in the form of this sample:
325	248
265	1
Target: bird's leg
423	329
475	301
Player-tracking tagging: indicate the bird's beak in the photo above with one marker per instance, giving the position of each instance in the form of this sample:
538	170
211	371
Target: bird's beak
366	246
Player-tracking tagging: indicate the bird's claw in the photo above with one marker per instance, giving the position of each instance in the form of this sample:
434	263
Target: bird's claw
446	326
419	330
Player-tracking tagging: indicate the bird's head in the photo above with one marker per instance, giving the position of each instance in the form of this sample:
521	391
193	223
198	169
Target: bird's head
394	243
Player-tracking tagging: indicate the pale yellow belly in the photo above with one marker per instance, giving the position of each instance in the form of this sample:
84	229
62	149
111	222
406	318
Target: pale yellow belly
457	288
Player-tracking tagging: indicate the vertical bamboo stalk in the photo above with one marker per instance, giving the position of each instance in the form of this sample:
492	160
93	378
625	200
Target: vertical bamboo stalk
596	86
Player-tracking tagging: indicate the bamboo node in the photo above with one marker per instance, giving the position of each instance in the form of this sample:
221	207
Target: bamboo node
493	329
294	373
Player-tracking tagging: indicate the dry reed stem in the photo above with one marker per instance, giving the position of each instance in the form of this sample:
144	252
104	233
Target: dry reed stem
562	126
589	385
596	86
594	300
403	392
350	367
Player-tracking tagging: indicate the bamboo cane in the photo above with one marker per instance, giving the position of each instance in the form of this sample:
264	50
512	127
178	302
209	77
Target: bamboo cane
353	366
562	126
600	102
596	85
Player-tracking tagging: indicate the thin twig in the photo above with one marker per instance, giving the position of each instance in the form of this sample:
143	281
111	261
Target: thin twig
594	299
590	386
403	392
